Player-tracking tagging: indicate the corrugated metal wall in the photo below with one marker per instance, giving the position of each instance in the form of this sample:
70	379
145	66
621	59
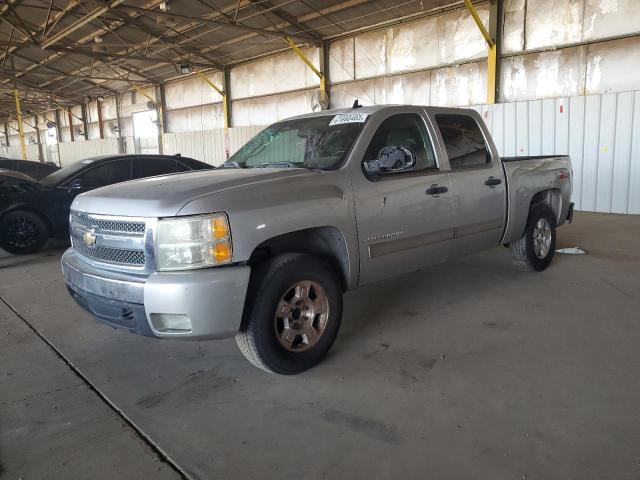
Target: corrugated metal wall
601	133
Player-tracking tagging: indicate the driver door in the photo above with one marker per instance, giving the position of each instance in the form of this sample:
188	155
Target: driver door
404	217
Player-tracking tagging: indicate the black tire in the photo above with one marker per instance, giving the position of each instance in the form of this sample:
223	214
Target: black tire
524	249
259	338
22	232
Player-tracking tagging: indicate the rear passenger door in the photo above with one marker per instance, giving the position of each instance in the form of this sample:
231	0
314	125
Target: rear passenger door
477	181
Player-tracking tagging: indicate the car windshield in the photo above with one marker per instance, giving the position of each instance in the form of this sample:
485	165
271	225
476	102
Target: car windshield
320	142
59	176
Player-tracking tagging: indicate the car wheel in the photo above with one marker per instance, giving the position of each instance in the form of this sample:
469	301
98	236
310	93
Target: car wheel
292	315
22	232
534	251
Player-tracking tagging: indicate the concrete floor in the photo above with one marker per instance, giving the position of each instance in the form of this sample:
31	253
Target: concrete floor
467	370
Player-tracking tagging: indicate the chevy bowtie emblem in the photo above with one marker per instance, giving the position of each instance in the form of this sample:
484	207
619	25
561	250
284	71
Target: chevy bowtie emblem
89	238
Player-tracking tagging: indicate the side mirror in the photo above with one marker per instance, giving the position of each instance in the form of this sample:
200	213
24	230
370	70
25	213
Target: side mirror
75	184
392	159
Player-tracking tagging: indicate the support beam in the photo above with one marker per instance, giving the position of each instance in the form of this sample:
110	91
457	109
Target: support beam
23	147
324	98
85	121
496	19
492	60
226	106
229	26
40	152
6	133
93	14
221	91
58	126
100	122
324	68
71	132
118	117
162	105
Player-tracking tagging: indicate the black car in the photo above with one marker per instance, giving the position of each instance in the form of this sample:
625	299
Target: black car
35	170
32	211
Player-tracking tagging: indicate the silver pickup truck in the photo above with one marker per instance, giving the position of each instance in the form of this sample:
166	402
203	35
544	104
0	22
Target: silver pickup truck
263	247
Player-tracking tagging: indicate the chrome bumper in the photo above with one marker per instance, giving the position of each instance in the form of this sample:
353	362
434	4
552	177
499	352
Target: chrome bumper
210	300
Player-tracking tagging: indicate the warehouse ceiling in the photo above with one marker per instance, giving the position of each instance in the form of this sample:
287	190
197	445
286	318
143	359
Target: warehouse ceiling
59	52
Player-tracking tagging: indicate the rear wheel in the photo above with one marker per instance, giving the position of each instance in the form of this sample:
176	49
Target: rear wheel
293	314
22	232
534	250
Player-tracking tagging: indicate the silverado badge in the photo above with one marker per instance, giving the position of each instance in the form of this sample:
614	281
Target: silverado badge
89	238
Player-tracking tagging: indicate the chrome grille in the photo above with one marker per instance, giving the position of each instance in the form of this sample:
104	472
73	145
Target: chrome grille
116	226
117	241
110	255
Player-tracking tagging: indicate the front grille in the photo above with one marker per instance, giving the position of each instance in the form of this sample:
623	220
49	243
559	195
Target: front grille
110	255
109	248
112	226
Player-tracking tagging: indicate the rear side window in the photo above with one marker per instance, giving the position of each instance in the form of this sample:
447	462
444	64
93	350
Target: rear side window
463	140
150	167
106	174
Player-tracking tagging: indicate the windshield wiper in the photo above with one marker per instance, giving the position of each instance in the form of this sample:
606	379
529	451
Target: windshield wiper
280	165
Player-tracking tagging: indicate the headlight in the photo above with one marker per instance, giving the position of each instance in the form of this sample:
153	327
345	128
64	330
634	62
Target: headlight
193	242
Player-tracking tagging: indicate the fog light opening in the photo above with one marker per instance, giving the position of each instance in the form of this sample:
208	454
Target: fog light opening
171	323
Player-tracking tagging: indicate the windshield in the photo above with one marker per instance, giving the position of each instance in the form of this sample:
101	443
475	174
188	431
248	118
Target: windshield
317	142
55	178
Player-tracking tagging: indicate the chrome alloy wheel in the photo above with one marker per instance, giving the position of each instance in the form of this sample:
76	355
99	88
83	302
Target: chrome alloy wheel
301	316
542	238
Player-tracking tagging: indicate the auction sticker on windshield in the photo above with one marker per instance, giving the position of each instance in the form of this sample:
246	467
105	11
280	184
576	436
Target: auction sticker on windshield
348	118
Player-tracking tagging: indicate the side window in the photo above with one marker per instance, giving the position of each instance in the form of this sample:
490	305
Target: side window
404	130
152	166
182	167
106	174
463	140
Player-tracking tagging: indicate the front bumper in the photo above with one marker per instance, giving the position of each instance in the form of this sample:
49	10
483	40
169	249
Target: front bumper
210	300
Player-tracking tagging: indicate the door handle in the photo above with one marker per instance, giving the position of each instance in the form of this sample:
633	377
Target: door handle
436	189
492	182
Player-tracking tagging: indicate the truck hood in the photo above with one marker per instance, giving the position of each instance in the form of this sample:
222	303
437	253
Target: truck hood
165	195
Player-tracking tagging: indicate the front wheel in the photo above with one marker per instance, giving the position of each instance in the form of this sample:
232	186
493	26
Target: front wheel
534	250
22	232
293	314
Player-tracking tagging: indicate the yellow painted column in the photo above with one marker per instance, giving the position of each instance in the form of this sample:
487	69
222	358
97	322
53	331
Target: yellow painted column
23	147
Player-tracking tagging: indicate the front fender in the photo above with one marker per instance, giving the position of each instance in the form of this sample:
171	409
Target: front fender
261	212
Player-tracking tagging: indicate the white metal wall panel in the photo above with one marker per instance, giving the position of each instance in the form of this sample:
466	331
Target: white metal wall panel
622	153
522	128
601	133
634	167
606	148
576	144
72	152
590	155
535	128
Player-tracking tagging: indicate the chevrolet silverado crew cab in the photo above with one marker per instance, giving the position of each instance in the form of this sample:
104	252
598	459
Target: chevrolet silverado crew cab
263	247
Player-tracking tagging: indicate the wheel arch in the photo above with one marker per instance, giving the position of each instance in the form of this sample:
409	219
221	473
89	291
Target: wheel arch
520	208
552	197
325	242
28	208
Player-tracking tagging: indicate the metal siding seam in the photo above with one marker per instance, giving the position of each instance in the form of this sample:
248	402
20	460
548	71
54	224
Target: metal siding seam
613	150
634	139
